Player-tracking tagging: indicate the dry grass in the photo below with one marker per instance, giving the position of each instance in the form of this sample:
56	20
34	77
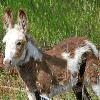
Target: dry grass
13	88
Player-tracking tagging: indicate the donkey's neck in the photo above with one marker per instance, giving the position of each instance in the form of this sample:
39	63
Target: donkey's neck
31	51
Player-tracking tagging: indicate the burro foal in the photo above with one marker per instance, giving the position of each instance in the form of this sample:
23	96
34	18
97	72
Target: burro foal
50	72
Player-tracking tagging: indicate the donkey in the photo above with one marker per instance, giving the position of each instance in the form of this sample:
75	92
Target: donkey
46	73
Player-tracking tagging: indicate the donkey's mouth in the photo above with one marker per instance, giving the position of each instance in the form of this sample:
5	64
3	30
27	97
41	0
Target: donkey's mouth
7	63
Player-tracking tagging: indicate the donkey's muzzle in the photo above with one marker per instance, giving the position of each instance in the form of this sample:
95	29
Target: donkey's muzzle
7	62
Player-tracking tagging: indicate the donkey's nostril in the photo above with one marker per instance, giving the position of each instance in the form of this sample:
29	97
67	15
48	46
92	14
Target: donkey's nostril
7	62
10	62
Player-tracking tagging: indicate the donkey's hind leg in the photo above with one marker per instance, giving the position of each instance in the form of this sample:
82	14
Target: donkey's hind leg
78	88
96	89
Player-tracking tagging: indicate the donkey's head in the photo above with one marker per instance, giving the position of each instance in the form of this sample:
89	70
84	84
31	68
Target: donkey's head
15	38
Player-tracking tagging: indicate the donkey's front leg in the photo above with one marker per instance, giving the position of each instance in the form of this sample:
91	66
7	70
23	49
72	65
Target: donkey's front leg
34	95
29	79
31	95
96	88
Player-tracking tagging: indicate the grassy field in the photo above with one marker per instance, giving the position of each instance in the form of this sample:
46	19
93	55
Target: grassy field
50	21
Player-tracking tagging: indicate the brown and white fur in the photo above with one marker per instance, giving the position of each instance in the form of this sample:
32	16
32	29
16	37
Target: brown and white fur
49	72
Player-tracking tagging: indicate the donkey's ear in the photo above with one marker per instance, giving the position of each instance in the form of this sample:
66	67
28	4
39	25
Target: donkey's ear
22	20
8	19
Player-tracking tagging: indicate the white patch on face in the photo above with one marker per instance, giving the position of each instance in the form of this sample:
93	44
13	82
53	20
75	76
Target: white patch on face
93	47
96	89
10	40
73	63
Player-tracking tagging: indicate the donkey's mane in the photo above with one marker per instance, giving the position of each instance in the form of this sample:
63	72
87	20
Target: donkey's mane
31	51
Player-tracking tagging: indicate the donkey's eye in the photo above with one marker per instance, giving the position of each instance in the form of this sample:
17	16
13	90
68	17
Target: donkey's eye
18	43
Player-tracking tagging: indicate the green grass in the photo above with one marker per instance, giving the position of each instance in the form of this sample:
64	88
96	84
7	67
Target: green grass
50	21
